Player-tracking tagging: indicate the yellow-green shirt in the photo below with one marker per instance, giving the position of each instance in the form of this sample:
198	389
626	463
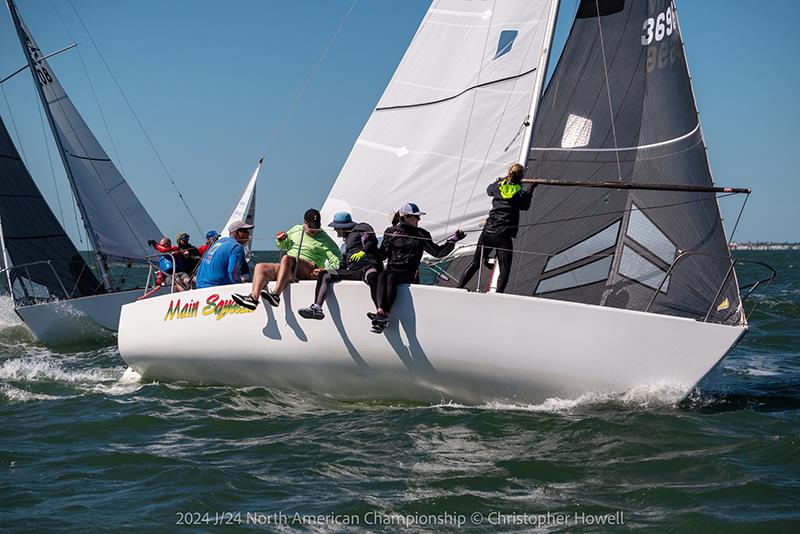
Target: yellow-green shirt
320	249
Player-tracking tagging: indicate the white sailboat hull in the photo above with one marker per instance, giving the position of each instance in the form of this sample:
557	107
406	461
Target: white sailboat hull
66	321
442	344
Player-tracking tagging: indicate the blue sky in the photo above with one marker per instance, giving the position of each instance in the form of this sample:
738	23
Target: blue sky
212	81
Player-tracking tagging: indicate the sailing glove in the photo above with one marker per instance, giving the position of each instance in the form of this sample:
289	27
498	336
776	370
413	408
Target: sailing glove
152	243
457	236
358	256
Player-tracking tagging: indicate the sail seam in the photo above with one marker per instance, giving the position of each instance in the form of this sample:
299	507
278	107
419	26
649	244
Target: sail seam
621	149
452	97
87	157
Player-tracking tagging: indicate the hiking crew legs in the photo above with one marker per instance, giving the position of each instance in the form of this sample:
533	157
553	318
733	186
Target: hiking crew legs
387	287
504	250
281	273
324	281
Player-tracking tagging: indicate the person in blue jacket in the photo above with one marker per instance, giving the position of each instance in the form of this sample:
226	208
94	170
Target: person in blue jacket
222	263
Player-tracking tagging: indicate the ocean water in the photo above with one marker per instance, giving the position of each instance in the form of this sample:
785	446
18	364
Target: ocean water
83	445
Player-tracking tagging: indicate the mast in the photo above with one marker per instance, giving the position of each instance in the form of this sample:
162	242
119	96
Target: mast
544	61
36	73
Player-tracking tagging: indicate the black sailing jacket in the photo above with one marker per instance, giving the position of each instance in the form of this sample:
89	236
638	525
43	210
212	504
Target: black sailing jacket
403	245
503	219
360	238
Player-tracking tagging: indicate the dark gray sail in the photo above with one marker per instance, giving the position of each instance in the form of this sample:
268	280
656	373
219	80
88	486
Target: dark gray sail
32	233
620	108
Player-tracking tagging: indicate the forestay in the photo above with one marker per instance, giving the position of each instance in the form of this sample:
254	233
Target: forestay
119	224
620	107
451	119
32	234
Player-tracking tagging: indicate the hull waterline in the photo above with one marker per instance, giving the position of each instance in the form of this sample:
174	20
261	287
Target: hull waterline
442	344
67	321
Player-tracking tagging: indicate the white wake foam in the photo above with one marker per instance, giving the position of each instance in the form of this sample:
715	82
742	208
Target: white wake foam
658	395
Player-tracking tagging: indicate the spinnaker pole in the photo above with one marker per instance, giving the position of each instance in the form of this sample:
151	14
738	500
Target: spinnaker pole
29	52
641	186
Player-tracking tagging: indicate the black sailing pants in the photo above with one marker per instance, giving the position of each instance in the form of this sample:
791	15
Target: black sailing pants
504	248
324	281
387	286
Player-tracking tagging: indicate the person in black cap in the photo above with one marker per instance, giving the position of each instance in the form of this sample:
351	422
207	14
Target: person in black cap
360	261
508	199
403	246
308	251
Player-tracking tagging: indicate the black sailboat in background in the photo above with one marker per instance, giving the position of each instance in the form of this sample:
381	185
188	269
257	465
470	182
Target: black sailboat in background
55	293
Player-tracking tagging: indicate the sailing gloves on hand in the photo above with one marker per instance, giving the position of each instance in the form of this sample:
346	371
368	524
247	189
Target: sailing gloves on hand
457	236
358	256
151	243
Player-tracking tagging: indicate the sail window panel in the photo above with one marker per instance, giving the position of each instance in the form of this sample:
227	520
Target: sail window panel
432	149
636	267
505	43
603	240
642	230
577	132
587	274
471	32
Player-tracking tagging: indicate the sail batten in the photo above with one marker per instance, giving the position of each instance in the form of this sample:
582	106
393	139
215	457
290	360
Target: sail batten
620	109
49	265
450	118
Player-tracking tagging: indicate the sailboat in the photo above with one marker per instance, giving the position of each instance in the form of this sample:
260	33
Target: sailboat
65	303
621	277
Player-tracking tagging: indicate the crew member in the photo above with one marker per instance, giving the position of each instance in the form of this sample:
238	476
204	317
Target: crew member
360	261
308	251
403	246
508	199
222	263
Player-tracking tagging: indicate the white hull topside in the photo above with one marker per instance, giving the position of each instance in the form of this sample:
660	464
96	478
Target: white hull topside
442	344
71	320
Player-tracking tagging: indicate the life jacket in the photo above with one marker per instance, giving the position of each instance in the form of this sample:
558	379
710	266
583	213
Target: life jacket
360	239
403	246
507	201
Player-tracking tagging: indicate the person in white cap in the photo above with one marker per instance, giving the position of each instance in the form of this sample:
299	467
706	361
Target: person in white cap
403	246
222	263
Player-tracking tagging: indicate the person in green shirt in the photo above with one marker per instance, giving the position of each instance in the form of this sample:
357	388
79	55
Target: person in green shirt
309	251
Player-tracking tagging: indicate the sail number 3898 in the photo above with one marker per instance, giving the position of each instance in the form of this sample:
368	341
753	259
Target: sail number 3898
656	28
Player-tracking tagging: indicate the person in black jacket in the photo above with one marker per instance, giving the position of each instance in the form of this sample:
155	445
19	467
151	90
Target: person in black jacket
360	261
403	246
508	199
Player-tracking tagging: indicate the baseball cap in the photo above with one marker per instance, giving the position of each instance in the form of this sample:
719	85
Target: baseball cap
410	209
211	233
313	219
239	225
342	220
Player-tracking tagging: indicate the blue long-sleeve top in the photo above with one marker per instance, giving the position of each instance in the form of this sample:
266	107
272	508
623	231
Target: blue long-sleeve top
221	264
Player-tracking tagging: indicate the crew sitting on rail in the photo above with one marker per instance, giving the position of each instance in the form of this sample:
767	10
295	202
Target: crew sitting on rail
222	263
211	236
188	254
360	261
169	264
508	199
308	251
403	246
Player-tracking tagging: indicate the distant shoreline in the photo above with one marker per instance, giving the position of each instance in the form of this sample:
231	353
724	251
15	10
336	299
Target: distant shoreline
759	245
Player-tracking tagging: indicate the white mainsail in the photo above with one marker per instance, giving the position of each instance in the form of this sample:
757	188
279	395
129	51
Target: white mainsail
246	208
452	118
118	224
